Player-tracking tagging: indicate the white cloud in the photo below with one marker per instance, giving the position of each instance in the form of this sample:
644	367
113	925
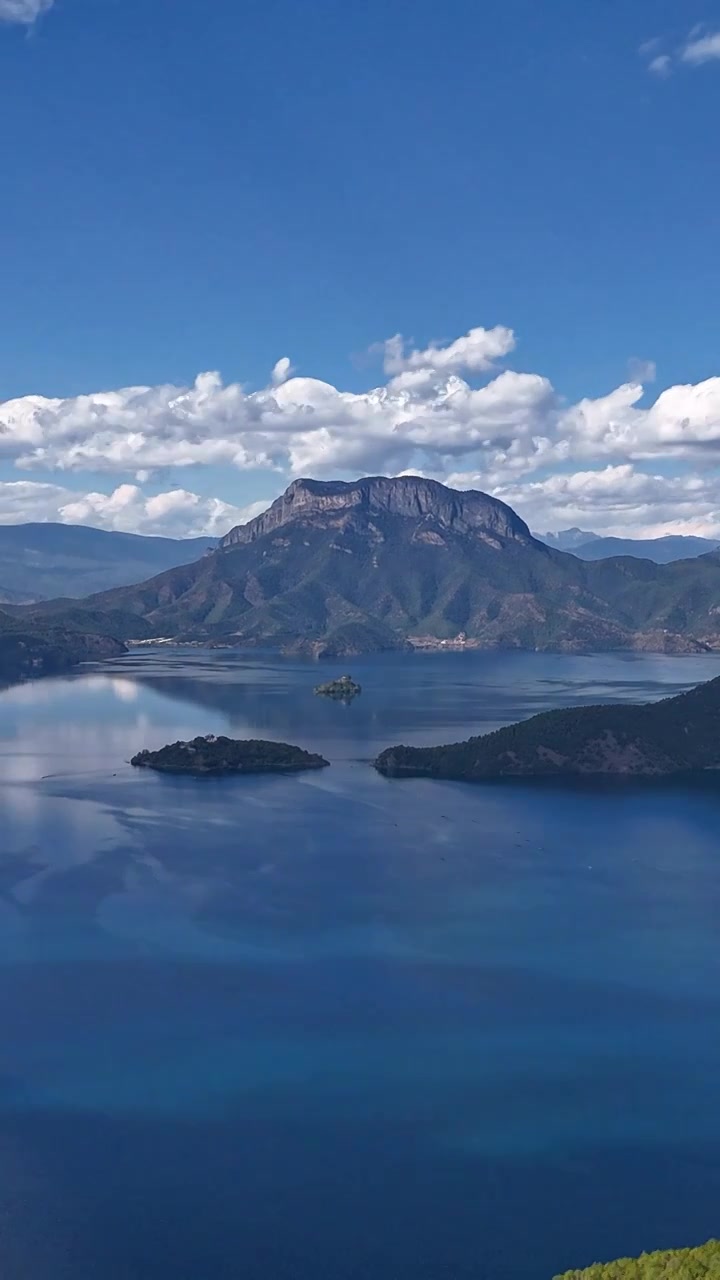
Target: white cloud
507	430
617	500
281	371
175	514
24	12
649	47
700	49
661	65
683	422
301	424
700	46
475	352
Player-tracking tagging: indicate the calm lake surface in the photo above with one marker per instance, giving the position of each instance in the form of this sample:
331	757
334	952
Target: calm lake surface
334	1026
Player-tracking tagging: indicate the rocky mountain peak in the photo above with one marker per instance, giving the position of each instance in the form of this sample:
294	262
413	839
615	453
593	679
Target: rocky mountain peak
410	497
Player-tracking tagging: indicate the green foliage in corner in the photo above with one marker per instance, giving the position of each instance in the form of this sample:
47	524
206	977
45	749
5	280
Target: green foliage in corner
702	1263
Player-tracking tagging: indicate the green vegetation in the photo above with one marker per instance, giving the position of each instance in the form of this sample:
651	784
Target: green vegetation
676	736
218	755
342	690
79	616
351	638
30	648
702	1263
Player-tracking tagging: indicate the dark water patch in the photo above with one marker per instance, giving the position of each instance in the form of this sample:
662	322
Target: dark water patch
300	1199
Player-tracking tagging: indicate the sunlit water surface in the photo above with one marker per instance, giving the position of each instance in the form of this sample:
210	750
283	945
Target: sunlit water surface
336	1026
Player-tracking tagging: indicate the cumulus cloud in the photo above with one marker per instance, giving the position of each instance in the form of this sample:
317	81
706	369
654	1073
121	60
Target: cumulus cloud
302	424
175	514
683	420
476	351
24	12
443	411
618	500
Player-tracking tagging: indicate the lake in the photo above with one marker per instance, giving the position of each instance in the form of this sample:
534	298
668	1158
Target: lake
331	1025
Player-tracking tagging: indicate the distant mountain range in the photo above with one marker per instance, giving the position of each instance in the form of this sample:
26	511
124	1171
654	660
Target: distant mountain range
591	546
566	539
44	561
661	550
39	561
340	568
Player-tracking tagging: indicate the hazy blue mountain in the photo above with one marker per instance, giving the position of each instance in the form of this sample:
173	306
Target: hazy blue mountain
661	550
566	539
40	561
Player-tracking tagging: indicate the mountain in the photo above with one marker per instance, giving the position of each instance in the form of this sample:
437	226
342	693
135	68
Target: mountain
678	736
661	550
566	539
38	561
337	568
360	502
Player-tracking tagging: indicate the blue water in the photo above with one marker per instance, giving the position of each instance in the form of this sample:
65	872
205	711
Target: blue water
338	1026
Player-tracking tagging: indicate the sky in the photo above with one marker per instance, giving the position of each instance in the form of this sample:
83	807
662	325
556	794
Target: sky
243	242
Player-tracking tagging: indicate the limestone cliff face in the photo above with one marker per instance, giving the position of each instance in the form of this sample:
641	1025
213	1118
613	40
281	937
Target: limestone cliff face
335	502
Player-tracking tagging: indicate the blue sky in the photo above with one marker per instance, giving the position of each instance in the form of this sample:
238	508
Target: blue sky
195	185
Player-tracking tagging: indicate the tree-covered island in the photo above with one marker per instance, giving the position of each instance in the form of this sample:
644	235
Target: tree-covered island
213	755
344	689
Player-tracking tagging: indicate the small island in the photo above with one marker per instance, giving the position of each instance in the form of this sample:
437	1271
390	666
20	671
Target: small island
343	689
677	737
214	756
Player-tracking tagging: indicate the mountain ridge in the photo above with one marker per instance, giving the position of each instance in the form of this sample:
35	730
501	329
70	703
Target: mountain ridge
596	546
42	560
662	550
339	567
412	497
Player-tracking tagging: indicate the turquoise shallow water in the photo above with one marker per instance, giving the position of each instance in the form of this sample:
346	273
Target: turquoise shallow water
333	1025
